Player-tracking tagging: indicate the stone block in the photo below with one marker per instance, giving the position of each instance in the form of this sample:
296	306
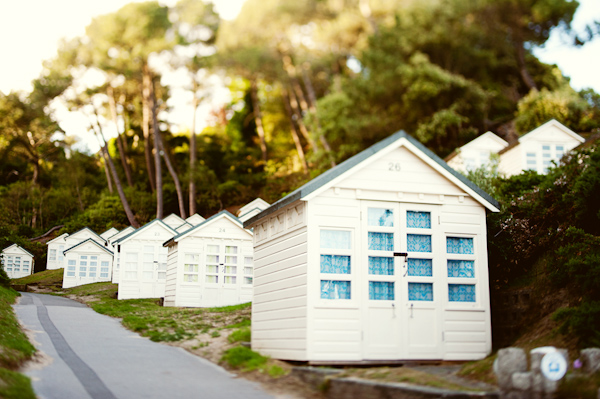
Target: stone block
509	361
522	381
590	359
537	383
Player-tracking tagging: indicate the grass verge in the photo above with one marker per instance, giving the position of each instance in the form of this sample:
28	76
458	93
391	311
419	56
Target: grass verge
49	278
15	349
245	359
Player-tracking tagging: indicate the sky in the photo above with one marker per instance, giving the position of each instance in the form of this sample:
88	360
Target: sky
31	29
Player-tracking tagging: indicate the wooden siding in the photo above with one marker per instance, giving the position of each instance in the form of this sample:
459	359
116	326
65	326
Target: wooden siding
279	308
171	281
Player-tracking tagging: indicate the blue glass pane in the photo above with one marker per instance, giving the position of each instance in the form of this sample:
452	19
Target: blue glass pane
381	241
335	289
461	293
419	220
336	239
380	217
381	265
381	291
420	291
459	245
335	264
461	268
420	267
418	243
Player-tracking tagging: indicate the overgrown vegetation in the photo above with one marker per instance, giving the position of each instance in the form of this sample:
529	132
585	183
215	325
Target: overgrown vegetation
15	348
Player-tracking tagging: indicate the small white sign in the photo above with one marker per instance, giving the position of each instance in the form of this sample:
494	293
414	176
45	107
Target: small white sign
554	366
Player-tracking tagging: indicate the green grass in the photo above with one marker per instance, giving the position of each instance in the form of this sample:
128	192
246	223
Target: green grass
241	335
15	348
244	358
480	370
576	386
47	277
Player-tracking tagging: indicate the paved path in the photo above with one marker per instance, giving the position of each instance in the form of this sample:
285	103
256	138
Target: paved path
94	356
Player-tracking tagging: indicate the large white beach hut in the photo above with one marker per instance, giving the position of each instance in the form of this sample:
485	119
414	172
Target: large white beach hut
383	257
87	262
143	261
57	246
17	262
116	266
210	264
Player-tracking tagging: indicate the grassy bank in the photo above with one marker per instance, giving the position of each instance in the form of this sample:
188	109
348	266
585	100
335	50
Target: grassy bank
15	349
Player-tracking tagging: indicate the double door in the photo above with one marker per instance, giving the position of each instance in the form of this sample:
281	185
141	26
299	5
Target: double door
400	255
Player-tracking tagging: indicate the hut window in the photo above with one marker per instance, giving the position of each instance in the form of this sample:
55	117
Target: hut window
231	249
420	291
61	249
418	220
52	254
380	217
92	271
336	239
131	265
332	289
381	265
461	268
212	265
338	264
459	245
420	267
82	271
104	268
162	266
94	261
191	268
248	270
230	268
418	242
83	260
381	241
381	290
461	292
72	263
148	263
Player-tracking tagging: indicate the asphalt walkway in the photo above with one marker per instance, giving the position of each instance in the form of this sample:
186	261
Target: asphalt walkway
93	356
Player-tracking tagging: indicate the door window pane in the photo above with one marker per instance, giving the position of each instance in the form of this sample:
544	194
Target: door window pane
336	239
418	243
212	279
381	265
381	241
331	289
420	291
212	248
461	268
381	290
212	258
459	245
338	264
380	217
229	279
418	220
231	259
231	250
420	267
247	280
190	278
461	292
190	268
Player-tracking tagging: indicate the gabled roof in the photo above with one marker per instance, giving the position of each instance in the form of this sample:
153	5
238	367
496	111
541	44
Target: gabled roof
144	227
400	138
257	203
18	247
183	227
90	230
122	233
63	235
549	124
173	220
222	214
109	233
86	241
195	219
486	136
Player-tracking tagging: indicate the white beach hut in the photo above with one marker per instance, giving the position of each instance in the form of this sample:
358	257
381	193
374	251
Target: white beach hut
383	257
17	262
195	219
210	264
109	233
143	261
252	208
57	246
116	266
87	262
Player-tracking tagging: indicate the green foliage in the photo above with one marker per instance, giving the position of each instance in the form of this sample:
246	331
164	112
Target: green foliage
244	358
14	346
582	322
15	385
241	335
579	386
487	177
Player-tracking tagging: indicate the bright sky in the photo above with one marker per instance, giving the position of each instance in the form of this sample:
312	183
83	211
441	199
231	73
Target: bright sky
31	29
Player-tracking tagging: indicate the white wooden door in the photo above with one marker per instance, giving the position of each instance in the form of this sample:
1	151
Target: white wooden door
401	302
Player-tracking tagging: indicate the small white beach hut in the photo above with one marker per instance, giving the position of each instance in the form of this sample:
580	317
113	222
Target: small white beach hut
143	261
57	246
252	208
383	257
116	266
195	219
210	264
109	233
87	262
17	262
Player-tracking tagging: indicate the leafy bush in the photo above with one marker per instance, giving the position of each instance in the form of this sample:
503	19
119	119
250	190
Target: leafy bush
581	321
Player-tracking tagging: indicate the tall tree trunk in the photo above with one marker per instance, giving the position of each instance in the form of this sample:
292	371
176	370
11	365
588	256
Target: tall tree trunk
297	101
258	119
130	217
120	141
160	146
146	80
527	79
192	197
301	126
312	106
149	92
109	181
299	149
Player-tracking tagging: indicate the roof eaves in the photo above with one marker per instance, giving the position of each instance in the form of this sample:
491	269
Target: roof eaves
83	242
210	219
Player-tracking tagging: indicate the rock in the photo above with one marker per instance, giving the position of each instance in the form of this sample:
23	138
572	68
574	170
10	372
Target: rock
590	359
